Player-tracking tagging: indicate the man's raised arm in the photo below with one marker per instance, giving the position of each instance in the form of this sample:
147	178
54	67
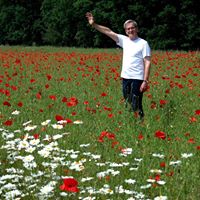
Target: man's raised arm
105	30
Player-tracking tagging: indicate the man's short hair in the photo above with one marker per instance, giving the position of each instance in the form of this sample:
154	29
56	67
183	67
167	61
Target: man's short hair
130	21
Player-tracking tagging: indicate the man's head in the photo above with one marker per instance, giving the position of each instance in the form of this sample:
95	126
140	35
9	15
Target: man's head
131	28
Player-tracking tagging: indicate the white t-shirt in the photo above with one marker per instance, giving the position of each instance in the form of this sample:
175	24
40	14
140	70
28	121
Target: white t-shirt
134	51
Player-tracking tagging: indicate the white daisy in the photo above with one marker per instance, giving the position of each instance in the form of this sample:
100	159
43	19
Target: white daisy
45	123
157	171
145	186
23	144
58	136
57	126
16	112
158	155
178	162
26	123
28	158
86	179
151	180
30	127
30	149
130	181
78	122
186	155
161	182
44	153
84	145
161	198
34	142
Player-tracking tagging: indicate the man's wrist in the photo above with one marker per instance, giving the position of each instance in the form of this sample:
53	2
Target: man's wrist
146	81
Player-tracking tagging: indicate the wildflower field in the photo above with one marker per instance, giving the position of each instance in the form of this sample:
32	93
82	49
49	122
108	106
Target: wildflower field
65	132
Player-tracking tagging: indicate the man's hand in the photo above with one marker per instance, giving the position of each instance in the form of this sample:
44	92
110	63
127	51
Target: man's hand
90	18
144	86
103	29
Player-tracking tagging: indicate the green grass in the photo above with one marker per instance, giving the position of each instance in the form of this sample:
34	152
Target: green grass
92	76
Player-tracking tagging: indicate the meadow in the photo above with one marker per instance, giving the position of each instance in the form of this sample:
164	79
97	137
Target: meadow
65	132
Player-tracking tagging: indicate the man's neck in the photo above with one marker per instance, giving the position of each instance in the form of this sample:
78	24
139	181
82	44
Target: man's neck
134	37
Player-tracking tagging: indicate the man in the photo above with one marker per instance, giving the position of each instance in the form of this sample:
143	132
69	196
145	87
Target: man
135	64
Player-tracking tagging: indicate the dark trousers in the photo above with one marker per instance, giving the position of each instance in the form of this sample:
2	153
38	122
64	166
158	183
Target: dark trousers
132	94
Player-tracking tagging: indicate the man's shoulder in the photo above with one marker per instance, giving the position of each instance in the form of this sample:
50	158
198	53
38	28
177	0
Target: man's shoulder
122	36
142	40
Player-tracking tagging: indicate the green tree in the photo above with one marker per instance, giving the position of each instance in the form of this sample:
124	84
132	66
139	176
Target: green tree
59	22
165	24
13	25
17	19
189	25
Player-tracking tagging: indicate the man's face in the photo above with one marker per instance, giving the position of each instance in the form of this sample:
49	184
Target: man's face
131	30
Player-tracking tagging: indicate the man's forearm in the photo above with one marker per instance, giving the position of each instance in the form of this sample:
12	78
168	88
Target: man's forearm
101	28
105	30
147	66
147	72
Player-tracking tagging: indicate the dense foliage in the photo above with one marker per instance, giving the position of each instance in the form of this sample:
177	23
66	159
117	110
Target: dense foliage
165	24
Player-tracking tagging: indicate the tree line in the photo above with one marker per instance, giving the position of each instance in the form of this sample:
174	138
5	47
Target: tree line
165	24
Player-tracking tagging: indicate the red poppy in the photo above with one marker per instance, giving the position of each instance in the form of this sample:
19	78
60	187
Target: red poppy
38	95
86	102
20	104
47	86
140	136
13	87
187	134
73	113
191	141
59	117
163	164
6	103
6	92
110	115
36	135
197	112
100	139
49	77
103	134
193	119
157	177
163	102
103	94
160	134
64	99
70	104
52	97
167	91
111	136
68	121
180	86
114	143
18	61
170	173
153	105
73	101
70	185
106	108
8	123
32	80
